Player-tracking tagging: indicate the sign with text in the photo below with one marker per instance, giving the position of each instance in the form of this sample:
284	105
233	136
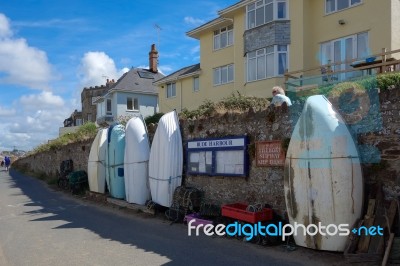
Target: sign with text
218	156
269	153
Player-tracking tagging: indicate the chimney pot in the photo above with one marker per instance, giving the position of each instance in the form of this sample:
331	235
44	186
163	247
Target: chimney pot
153	59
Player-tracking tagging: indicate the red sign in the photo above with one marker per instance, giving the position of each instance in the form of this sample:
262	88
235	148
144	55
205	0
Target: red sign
269	153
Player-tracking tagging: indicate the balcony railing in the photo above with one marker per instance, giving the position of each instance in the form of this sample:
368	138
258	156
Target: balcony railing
387	61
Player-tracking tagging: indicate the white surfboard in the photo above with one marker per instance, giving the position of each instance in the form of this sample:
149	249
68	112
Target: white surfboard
166	160
323	180
136	162
96	162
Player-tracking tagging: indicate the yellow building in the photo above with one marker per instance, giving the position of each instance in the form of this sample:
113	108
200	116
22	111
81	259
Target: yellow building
251	44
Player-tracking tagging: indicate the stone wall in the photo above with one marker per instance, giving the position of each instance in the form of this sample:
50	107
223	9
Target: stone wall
264	185
375	126
377	134
48	163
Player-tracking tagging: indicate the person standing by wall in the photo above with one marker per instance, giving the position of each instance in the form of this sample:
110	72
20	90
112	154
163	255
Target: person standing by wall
279	97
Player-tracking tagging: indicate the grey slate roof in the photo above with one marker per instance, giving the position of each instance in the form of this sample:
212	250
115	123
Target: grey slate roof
179	73
138	80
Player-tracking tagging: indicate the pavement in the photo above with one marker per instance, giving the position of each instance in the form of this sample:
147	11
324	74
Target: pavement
287	255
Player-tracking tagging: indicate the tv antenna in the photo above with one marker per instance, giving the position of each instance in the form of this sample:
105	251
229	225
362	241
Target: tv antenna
158	28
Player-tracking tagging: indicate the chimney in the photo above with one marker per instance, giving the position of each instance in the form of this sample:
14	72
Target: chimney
153	59
109	82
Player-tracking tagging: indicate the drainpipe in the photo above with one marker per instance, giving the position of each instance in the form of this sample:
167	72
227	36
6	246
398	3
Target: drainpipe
181	95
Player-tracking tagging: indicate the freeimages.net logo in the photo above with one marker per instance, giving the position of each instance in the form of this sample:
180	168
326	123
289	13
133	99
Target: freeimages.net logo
283	230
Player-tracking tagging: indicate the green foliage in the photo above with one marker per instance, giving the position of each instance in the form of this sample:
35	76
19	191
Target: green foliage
240	102
387	81
153	119
205	109
86	131
235	101
343	87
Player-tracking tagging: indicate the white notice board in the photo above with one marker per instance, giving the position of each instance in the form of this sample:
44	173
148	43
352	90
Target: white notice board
222	156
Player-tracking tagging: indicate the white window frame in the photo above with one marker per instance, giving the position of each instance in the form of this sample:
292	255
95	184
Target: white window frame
171	90
196	84
261	59
327	51
134	103
223	75
256	11
108	111
350	3
218	37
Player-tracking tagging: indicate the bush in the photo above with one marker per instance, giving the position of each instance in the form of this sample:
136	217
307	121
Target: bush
153	119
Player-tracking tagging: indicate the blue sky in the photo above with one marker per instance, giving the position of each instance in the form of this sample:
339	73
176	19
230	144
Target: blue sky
50	50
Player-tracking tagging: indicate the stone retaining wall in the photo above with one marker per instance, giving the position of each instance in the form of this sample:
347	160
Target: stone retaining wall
379	140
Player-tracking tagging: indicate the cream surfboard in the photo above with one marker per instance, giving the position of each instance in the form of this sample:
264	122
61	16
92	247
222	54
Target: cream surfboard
323	181
136	162
166	160
97	162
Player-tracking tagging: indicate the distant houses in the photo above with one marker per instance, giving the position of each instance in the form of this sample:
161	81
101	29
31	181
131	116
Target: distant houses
132	94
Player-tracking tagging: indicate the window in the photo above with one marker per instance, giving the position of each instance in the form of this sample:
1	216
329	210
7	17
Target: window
171	90
196	84
346	48
108	107
267	62
89	117
223	37
78	122
337	5
132	104
223	75
264	11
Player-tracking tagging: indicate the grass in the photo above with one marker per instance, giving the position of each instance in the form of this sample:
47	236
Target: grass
85	132
236	101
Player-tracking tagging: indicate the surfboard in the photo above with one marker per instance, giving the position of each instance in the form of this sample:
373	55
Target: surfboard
323	180
115	161
136	162
97	162
166	160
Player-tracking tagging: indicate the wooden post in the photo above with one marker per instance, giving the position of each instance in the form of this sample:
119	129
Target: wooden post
383	67
387	251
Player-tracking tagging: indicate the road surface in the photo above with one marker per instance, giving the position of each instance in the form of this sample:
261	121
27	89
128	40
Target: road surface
42	226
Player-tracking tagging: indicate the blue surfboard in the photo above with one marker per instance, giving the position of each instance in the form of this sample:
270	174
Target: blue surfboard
115	161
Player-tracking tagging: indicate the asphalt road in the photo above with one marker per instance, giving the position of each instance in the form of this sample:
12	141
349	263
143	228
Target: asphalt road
41	226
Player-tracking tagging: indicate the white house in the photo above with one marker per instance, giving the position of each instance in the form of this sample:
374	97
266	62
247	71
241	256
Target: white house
132	94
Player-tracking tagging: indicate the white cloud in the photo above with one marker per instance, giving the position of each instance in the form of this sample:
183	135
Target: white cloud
195	49
193	21
4	112
96	67
20	63
45	100
32	120
165	69
5	30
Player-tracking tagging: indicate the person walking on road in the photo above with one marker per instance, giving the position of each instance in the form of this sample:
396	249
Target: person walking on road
7	162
